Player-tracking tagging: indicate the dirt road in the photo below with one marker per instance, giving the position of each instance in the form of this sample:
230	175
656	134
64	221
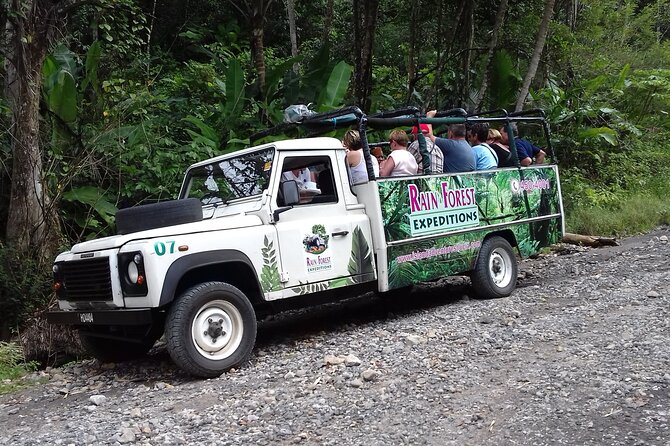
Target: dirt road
579	354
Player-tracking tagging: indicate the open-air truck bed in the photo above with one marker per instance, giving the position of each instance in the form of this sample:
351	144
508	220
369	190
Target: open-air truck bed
430	226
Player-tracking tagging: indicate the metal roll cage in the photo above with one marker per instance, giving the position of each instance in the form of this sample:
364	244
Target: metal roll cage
353	117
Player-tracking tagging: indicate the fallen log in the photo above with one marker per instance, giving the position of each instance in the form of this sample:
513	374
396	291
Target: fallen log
589	240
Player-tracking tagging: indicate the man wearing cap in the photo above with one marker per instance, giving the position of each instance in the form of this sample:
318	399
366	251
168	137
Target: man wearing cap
458	156
436	156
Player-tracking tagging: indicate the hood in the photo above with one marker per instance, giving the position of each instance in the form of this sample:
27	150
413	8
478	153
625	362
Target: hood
215	224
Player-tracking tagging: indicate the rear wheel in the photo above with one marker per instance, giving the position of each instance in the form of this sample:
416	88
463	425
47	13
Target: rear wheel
210	329
113	350
496	269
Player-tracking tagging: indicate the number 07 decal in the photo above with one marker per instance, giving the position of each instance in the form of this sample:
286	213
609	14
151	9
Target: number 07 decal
162	248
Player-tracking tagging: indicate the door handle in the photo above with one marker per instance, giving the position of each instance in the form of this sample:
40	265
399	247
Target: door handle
339	233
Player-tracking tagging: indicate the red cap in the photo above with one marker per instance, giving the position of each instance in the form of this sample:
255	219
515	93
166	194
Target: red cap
424	129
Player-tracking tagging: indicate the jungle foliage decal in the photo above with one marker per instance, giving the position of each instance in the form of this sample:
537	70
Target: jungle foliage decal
270	280
361	268
438	205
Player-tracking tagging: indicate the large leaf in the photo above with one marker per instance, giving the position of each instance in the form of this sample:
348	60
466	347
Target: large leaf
234	89
62	99
338	83
95	198
206	131
604	133
92	63
276	74
505	80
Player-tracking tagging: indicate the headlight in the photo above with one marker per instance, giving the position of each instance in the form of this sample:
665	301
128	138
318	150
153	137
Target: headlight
133	273
133	276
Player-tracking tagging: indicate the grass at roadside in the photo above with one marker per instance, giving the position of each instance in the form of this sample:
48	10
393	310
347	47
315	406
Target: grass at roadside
12	367
638	212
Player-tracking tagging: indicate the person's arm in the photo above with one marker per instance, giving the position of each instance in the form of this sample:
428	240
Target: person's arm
431	114
539	157
525	162
387	167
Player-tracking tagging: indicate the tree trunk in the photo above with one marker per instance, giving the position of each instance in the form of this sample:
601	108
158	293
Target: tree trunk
589	240
469	38
499	20
32	222
537	53
411	57
290	11
328	20
257	45
437	84
365	23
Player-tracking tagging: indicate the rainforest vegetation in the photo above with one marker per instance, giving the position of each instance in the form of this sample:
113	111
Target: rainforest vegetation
106	102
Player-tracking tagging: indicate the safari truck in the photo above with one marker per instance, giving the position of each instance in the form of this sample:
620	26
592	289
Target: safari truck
243	241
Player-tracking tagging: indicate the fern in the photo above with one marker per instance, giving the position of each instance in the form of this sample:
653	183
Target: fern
270	280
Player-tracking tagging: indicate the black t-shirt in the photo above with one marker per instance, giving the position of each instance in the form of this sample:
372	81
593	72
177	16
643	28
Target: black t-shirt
504	155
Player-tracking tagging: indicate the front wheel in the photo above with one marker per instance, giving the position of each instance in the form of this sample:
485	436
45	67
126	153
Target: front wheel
496	269
210	329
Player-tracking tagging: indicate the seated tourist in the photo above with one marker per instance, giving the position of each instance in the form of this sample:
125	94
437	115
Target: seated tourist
458	156
527	152
355	158
485	157
399	162
436	156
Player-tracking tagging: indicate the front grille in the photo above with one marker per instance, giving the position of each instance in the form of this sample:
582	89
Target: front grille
88	279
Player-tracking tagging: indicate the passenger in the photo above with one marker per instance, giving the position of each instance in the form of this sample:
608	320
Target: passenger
399	162
355	158
485	157
436	155
300	176
458	156
378	153
528	152
504	155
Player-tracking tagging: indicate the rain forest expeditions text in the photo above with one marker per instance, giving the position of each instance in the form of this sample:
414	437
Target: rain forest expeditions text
433	211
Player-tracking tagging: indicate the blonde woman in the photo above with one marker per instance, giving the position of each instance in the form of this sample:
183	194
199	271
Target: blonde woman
355	158
399	162
495	142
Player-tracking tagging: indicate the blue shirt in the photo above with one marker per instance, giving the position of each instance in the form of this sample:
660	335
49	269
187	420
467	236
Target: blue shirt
485	157
458	155
525	149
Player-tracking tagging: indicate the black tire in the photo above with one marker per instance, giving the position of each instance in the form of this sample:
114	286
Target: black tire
495	270
210	329
158	215
113	350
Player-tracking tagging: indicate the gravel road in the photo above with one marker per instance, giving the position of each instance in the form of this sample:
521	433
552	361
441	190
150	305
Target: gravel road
578	355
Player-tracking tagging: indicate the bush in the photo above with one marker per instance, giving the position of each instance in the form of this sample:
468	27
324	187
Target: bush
12	366
24	287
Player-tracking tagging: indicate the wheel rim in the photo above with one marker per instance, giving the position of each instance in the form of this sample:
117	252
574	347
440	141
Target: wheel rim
217	330
500	267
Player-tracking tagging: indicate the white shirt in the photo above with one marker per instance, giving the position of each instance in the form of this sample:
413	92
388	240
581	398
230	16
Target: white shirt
303	177
404	163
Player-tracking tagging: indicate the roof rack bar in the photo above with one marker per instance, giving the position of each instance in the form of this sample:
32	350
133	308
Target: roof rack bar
396	113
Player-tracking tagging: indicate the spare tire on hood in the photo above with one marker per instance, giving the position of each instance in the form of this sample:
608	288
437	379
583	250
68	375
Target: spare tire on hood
158	215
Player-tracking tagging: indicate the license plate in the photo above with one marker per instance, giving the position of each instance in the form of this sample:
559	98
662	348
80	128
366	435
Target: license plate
86	318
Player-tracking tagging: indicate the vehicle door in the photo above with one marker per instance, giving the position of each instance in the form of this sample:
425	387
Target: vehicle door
318	237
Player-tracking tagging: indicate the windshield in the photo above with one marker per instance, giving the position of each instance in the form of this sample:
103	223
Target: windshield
239	177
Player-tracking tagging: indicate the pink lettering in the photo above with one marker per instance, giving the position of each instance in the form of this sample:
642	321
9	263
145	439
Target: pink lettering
413	198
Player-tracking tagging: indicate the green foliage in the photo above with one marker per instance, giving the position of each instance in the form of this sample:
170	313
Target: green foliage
24	287
12	367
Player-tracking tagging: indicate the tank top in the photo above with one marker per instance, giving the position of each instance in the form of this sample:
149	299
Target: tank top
405	164
359	173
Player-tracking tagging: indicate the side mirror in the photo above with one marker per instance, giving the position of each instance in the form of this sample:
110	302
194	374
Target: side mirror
289	190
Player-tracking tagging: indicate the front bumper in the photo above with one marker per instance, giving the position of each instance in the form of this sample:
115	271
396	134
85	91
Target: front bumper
144	316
